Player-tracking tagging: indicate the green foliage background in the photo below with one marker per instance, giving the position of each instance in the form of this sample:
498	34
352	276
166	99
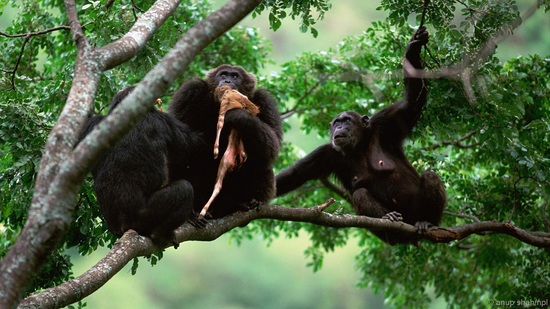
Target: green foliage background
507	109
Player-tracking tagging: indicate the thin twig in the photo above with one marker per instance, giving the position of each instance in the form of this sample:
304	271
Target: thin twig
27	37
462	246
137	7
293	110
134	7
37	117
39	32
35	33
514	204
321	208
471	9
461	215
424	9
546	222
336	189
109	3
457	143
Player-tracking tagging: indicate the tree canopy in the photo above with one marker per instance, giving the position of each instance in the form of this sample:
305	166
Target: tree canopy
485	131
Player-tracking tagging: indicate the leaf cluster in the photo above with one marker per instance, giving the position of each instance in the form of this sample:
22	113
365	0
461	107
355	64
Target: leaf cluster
309	13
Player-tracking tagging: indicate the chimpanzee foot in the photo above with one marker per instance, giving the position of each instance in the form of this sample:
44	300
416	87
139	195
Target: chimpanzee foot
174	241
199	223
393	216
240	158
253	204
422	227
163	240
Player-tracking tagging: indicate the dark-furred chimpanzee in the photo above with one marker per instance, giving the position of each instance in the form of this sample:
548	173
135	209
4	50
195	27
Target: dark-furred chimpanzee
140	183
367	156
252	183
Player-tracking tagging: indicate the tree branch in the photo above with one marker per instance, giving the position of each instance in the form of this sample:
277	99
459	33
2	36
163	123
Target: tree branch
423	16
54	195
27	37
457	143
461	215
336	189
132	245
470	65
131	43
294	109
471	9
124	250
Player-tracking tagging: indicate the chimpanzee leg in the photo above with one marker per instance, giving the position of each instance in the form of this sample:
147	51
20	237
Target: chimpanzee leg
169	208
365	204
429	203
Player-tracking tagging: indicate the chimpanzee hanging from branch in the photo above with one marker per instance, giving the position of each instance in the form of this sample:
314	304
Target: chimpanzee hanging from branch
367	156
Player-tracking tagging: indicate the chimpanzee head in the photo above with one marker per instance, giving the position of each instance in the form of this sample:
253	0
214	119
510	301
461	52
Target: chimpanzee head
233	76
120	96
346	130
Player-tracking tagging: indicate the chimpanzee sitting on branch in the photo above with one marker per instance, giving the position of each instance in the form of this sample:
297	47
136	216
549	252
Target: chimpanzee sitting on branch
251	183
367	156
141	182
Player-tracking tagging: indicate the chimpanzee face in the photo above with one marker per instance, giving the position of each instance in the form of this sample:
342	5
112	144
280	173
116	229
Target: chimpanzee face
233	76
346	130
229	77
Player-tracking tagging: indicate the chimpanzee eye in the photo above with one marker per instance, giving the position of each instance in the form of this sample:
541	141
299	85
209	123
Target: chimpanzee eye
234	75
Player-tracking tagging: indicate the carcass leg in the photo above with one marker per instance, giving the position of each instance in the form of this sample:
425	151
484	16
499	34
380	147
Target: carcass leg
221	120
235	149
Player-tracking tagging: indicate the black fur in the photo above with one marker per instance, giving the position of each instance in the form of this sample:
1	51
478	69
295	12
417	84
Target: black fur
367	156
140	183
253	183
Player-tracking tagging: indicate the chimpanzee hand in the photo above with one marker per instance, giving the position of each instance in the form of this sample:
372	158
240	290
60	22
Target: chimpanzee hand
393	216
412	54
252	204
419	39
421	227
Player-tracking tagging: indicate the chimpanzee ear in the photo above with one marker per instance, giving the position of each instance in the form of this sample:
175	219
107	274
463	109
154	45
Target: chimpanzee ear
365	120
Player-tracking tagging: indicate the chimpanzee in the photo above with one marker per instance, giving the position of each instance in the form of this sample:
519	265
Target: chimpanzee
252	183
367	156
140	182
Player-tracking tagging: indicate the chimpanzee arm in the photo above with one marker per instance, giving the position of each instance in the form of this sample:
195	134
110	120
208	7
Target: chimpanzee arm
259	138
193	104
261	134
318	164
184	145
268	111
415	84
405	113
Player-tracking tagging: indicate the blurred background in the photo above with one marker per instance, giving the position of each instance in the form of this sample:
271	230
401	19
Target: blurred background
219	274
222	274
